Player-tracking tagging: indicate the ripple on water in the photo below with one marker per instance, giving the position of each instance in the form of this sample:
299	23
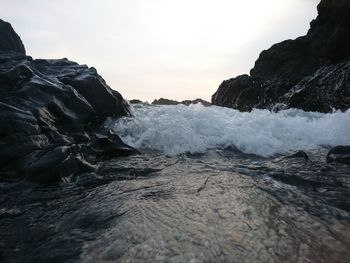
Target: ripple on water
221	206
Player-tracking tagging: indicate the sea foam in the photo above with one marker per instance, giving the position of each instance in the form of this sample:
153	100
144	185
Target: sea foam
195	128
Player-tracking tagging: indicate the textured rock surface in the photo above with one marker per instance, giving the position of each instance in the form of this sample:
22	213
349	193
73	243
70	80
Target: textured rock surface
339	154
310	72
9	40
51	113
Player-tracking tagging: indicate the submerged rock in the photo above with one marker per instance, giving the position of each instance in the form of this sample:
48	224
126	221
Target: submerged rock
310	72
339	154
50	117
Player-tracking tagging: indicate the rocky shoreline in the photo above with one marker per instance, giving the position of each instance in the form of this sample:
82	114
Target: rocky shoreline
51	113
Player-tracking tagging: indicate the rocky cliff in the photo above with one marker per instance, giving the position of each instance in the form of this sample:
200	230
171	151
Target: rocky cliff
310	72
51	113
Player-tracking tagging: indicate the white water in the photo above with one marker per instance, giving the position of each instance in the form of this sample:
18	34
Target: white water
178	129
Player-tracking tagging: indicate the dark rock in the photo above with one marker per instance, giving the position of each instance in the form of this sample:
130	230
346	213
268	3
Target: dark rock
326	90
189	102
299	154
163	101
339	154
51	113
9	40
135	101
310	72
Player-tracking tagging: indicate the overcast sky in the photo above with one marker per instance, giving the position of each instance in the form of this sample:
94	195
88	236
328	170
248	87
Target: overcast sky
146	49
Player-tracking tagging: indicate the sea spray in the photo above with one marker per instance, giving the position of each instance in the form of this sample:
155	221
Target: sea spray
178	129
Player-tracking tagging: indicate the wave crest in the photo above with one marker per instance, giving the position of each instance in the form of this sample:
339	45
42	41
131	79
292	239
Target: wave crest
195	128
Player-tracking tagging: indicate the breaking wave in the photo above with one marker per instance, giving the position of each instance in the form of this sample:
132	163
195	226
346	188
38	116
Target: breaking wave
195	128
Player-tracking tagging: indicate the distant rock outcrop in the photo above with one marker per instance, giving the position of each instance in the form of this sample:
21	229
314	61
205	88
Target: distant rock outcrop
163	101
310	72
203	102
135	101
51	113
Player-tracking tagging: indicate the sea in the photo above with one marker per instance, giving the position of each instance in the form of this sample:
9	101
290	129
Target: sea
211	184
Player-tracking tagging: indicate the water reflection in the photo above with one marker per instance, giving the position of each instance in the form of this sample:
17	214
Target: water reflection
221	206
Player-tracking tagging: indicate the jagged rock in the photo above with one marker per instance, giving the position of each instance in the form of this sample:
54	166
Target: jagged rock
310	72
189	102
326	90
339	154
163	101
51	113
9	40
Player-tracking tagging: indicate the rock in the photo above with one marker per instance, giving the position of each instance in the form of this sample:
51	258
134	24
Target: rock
9	40
326	90
189	102
163	101
339	154
135	101
299	154
51	113
310	72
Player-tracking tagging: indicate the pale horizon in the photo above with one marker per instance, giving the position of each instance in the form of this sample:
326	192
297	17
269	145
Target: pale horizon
159	48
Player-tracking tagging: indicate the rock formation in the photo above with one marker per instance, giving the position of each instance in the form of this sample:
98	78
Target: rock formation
163	101
135	101
51	113
310	72
9	40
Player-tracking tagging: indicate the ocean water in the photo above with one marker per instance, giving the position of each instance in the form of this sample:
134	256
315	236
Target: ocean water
211	185
179	129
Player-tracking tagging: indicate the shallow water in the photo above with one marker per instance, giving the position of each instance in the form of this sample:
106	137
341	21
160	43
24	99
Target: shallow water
218	205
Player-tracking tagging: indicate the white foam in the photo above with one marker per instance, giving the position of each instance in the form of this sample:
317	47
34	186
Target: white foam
178	129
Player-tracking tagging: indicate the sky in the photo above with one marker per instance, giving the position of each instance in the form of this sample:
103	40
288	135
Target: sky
147	49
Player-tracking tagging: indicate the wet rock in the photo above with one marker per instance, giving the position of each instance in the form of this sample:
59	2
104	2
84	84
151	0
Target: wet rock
339	154
299	154
310	72
189	102
50	114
